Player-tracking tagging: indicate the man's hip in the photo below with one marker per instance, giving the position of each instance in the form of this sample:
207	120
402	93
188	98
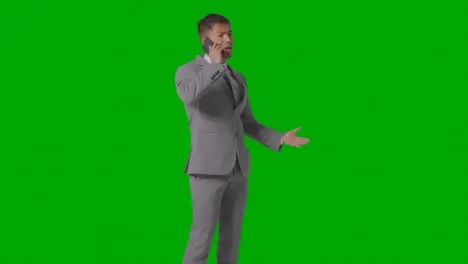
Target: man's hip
217	163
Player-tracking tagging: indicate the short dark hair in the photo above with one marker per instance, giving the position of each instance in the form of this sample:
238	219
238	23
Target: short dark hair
207	22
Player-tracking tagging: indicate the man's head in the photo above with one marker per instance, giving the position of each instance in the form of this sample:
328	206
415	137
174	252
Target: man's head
218	29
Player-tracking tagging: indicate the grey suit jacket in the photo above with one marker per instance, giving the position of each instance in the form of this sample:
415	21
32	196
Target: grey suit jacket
217	124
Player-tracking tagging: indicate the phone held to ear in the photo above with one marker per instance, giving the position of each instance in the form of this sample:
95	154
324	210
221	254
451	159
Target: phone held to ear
206	45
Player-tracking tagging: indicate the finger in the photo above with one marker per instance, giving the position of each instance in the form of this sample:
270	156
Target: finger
214	50
216	46
213	47
298	139
302	141
295	130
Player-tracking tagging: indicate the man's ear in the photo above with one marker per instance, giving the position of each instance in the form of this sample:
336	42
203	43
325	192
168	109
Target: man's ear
203	37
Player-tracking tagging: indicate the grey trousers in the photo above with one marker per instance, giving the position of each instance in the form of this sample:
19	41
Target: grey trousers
216	200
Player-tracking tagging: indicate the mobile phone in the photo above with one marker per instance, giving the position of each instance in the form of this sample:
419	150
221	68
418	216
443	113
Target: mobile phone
206	45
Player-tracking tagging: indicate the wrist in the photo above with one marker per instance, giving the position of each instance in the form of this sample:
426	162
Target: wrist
217	60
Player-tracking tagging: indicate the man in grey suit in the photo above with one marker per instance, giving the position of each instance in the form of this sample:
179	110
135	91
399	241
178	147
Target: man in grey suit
217	106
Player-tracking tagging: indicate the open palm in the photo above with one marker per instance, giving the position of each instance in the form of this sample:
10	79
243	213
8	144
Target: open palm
290	139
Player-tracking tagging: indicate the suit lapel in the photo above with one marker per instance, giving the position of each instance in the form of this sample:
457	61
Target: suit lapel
241	84
201	62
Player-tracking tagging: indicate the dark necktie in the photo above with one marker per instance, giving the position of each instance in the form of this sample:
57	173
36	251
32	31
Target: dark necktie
234	87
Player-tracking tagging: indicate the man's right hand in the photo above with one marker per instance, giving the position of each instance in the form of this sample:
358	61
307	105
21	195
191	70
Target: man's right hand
215	54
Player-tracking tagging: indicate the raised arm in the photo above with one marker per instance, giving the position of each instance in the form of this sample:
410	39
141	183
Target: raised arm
191	86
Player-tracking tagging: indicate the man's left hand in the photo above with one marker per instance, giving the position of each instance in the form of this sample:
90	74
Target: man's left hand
291	139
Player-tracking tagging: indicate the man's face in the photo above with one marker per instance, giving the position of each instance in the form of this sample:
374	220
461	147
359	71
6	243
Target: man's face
221	34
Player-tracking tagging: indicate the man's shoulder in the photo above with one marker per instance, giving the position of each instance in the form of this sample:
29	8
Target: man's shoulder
234	70
189	67
186	69
237	73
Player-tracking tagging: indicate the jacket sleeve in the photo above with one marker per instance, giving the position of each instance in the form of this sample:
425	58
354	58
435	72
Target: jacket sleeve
191	86
259	132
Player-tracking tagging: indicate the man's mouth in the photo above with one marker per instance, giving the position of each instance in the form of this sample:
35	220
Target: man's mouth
228	48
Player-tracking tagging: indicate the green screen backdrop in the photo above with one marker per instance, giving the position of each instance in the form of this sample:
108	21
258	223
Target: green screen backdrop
95	139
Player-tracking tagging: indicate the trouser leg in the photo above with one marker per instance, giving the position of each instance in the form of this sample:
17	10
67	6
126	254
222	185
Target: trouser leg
230	220
207	193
